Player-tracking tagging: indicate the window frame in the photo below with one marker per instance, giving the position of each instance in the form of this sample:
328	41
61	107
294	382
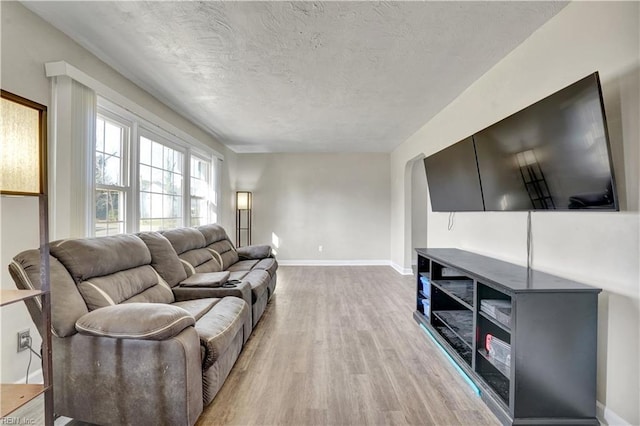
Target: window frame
154	137
125	177
140	127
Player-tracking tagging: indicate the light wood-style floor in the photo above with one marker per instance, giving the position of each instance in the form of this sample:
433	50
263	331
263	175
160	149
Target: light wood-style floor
339	346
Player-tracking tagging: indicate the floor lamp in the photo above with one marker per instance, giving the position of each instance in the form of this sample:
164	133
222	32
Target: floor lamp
243	211
23	172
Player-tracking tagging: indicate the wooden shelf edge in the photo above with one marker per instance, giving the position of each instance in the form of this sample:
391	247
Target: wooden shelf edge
14	396
8	297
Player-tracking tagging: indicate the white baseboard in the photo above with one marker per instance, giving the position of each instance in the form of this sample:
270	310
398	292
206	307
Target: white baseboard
358	262
401	270
35	377
607	416
294	262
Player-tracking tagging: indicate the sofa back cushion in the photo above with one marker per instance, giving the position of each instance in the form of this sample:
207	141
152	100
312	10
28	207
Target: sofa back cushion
140	284
164	258
199	260
112	270
218	243
86	258
184	239
67	305
189	244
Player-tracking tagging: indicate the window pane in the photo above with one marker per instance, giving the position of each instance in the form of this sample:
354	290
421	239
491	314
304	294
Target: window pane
112	171
100	134
113	138
156	180
161	188
145	151
145	205
200	189
109	212
156	155
145	178
177	184
110	145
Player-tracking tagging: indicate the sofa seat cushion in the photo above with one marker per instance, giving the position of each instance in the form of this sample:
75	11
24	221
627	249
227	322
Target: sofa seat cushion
243	265
218	327
141	321
259	281
270	265
197	307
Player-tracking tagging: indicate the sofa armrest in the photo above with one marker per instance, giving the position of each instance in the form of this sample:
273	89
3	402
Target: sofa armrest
241	290
142	321
254	252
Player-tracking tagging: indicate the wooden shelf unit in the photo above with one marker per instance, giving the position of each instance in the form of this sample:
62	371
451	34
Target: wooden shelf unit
8	297
551	333
14	396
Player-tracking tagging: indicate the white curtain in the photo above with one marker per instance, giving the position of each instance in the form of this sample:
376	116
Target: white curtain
71	158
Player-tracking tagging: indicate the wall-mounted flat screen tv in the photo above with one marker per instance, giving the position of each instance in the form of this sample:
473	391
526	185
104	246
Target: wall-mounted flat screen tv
452	176
552	155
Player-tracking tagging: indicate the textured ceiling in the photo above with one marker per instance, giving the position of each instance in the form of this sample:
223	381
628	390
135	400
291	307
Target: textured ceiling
302	76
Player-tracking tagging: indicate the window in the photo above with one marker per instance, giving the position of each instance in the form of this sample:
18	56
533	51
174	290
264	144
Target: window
111	166
161	188
200	189
147	179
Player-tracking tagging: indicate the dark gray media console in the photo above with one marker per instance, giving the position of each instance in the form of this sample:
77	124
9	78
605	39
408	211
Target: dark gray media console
550	332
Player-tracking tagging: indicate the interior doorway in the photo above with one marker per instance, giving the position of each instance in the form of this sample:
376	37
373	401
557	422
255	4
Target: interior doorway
419	203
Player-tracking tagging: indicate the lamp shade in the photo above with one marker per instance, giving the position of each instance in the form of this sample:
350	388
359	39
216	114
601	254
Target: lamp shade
243	200
21	145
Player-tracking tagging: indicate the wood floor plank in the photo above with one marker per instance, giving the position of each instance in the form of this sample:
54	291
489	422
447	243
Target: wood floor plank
339	346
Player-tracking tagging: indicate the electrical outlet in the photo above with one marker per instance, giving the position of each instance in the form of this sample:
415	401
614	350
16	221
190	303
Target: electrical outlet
23	340
320	248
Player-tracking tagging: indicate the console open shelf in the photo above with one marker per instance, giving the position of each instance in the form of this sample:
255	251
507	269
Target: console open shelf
474	301
459	322
459	290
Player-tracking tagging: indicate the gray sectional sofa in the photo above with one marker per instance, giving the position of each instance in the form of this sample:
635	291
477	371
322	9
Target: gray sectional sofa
140	336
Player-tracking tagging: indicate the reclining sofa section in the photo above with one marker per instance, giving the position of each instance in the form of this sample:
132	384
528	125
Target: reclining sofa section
130	345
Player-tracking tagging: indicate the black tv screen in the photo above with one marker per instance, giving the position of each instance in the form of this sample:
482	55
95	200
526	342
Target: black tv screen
452	177
553	155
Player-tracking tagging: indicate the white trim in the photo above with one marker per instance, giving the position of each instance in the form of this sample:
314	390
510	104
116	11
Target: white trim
62	68
607	416
401	270
357	262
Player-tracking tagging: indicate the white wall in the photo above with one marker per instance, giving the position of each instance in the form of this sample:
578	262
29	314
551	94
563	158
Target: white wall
600	249
339	201
28	43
